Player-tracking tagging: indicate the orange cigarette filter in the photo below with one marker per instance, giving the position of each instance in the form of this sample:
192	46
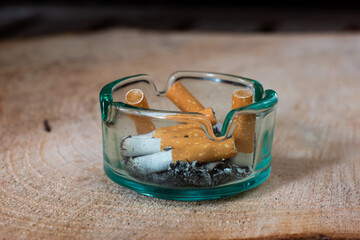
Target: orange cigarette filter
183	142
244	132
187	133
186	102
192	120
211	151
175	128
136	98
209	113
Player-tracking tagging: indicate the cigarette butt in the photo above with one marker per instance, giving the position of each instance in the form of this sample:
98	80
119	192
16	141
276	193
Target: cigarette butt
186	102
192	133
180	127
136	98
176	131
144	146
241	98
206	152
210	114
155	141
183	99
194	122
175	143
153	163
199	123
131	146
244	132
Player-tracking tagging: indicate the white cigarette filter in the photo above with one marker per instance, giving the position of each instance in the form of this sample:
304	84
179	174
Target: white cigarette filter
131	147
211	151
144	146
156	162
136	98
186	102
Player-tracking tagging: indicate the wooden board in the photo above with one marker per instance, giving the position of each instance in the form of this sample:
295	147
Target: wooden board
52	184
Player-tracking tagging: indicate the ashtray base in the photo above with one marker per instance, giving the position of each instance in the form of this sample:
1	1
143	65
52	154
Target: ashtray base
188	194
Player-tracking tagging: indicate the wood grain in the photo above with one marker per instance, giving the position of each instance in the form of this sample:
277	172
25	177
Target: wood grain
52	184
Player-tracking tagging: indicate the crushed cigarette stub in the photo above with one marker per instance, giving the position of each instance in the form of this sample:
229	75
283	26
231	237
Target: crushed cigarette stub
136	98
186	102
203	153
244	132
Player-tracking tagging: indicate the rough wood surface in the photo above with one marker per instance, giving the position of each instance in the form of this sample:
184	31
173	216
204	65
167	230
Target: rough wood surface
52	184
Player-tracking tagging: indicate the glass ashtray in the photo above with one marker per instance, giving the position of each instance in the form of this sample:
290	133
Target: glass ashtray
217	145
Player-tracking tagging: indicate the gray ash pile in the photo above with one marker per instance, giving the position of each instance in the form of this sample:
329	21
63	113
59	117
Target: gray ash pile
185	174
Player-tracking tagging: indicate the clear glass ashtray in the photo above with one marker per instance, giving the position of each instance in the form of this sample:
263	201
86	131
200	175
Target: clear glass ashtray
205	136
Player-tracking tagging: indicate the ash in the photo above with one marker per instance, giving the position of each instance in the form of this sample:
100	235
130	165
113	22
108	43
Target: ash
185	174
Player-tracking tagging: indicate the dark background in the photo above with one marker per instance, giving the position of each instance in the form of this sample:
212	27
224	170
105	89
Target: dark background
21	19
